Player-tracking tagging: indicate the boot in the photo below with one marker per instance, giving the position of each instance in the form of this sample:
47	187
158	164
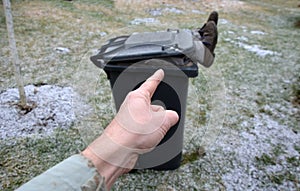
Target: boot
209	32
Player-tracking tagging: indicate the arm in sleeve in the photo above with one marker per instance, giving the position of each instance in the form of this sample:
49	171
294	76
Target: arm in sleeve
74	173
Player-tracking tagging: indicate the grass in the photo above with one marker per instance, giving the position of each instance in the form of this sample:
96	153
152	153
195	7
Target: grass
254	85
296	92
274	159
24	158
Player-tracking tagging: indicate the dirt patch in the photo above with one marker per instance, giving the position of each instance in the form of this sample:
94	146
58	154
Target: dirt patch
297	23
296	92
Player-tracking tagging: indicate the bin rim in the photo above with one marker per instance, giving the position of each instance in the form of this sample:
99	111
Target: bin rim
190	69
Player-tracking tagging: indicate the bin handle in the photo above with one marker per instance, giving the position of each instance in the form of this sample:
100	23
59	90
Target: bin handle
98	59
114	42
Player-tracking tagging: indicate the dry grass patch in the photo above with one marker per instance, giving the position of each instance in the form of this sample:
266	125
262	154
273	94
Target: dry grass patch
39	10
93	8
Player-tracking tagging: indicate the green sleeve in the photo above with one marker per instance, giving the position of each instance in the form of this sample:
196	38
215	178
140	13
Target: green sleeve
74	173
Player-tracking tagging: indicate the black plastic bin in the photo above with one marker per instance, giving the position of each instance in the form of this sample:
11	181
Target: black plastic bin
129	60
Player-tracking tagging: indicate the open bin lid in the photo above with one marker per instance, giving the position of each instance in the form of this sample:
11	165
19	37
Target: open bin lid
171	46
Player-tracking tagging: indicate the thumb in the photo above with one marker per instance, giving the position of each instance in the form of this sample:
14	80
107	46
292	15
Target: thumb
171	118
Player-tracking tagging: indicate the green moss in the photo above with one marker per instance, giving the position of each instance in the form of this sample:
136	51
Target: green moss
2	20
280	178
266	159
278	150
193	156
297	148
189	157
293	161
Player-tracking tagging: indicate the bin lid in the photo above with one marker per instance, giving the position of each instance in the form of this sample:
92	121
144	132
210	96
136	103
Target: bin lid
171	46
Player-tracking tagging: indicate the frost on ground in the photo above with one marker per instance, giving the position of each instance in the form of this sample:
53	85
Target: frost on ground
54	107
160	11
243	42
139	21
258	54
256	49
262	155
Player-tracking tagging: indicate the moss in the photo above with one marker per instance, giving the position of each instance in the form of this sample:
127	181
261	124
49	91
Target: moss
189	157
2	20
193	156
293	161
266	159
280	178
278	150
297	148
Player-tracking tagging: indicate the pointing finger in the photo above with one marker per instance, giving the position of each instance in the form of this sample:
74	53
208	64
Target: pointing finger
150	85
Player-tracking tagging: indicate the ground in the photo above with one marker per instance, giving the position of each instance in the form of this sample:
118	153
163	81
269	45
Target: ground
242	129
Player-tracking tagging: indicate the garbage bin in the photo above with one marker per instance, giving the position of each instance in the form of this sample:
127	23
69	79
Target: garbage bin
129	60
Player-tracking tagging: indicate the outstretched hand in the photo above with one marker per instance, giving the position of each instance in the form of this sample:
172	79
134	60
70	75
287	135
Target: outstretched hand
143	124
136	129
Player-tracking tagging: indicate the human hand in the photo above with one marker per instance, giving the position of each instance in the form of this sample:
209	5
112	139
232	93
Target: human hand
136	129
143	124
